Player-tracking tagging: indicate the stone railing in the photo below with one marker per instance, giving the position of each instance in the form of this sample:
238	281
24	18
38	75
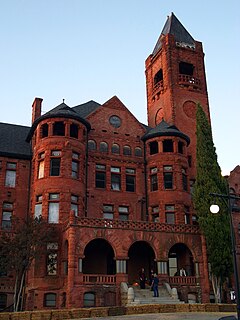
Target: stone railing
182	280
189	81
99	278
136	225
158	87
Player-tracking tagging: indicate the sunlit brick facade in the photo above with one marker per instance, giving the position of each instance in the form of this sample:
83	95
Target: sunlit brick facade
118	192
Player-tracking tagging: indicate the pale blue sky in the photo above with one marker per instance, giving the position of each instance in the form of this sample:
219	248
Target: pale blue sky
84	50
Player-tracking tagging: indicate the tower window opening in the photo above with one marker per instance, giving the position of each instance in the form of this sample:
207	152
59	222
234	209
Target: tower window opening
44	130
153	147
167	145
74	130
58	128
186	68
158	77
180	147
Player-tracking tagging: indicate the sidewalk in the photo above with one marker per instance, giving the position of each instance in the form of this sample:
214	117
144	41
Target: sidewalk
168	316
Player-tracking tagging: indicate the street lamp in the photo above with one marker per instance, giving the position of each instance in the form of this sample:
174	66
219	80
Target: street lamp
214	208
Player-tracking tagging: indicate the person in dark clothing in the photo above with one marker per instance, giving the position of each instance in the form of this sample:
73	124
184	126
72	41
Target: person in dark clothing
142	278
151	276
155	283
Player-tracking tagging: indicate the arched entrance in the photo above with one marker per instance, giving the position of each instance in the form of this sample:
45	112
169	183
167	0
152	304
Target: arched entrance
180	257
99	258
141	255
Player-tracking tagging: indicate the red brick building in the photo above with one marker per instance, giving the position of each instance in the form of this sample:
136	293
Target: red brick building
118	191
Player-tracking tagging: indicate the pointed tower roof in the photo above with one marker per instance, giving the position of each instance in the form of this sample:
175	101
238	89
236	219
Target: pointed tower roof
173	26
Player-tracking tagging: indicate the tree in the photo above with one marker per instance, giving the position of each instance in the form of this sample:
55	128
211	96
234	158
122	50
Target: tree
19	247
215	227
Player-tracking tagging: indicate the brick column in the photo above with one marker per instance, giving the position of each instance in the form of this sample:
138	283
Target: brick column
71	261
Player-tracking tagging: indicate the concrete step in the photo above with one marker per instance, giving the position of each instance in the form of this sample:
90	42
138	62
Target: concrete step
145	296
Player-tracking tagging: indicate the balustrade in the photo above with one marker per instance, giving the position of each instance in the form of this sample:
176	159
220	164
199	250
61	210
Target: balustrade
182	280
99	278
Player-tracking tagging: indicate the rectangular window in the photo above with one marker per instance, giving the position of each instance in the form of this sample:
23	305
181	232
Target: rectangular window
75	169
50	300
55	163
170	214
155	214
130	179
74	204
154	179
10	179
184	179
186	215
108	211
100	178
51	260
7	215
123	212
167	177
38	207
40	169
115	178
53	208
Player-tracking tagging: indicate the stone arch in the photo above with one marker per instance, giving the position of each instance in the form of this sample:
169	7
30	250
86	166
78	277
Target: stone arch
99	257
180	256
184	239
140	255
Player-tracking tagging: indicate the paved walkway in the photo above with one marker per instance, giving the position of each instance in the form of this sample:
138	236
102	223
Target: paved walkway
168	316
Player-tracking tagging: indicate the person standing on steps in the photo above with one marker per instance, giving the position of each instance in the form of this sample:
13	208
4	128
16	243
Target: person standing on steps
155	285
142	278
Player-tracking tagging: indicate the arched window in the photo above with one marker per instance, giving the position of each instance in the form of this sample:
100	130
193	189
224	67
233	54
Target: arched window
50	300
103	147
115	148
89	299
127	150
91	145
138	152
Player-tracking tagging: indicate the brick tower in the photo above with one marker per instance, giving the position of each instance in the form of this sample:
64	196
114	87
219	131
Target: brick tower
176	81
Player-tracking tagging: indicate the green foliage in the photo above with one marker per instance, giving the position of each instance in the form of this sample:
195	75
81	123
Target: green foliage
216	227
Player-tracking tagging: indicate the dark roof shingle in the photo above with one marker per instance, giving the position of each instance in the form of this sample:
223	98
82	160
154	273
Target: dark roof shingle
13	141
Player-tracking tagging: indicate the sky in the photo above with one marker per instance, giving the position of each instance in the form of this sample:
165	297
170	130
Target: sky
81	50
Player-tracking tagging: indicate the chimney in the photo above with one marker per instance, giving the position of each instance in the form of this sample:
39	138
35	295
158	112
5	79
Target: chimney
36	108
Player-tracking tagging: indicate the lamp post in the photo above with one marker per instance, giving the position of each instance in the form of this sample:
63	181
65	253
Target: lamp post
214	208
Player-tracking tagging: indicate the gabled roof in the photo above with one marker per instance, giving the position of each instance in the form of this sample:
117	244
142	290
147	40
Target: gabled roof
85	109
13	141
165	129
60	111
173	26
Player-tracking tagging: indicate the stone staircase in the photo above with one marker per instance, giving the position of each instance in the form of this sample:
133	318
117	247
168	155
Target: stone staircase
145	296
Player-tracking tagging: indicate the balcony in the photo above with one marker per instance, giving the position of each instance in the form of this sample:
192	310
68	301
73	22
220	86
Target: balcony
189	82
135	225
